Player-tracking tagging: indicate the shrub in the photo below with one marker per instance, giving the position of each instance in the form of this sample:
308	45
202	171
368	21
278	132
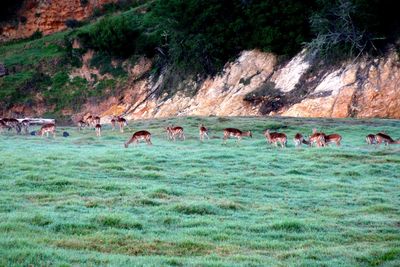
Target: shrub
72	23
113	35
23	19
9	8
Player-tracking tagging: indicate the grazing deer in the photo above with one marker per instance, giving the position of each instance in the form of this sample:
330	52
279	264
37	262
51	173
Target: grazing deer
317	138
333	138
370	139
121	122
233	132
299	139
384	138
98	129
12	123
96	120
82	124
113	124
140	135
203	131
25	125
276	138
48	128
89	120
3	125
175	131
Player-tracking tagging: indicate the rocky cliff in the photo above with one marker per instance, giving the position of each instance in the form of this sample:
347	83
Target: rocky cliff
47	16
256	84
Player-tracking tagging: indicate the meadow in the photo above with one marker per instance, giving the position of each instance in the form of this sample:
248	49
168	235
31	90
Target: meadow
88	201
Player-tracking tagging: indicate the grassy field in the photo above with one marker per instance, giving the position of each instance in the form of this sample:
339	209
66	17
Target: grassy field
84	200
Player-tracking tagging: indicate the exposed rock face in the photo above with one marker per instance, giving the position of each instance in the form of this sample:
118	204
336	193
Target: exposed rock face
48	16
366	88
220	96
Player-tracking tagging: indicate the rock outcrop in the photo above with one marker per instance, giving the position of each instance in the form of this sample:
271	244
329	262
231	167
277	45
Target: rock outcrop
47	16
255	85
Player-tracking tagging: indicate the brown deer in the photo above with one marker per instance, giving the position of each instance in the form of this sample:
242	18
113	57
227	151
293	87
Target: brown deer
333	138
48	128
3	125
386	139
276	138
89	120
25	125
113	121
299	139
203	131
140	135
13	124
82	124
121	122
96	120
175	131
370	139
317	138
233	132
98	129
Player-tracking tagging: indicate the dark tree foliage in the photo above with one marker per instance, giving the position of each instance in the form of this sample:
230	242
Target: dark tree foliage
278	26
200	36
349	28
9	8
114	35
204	34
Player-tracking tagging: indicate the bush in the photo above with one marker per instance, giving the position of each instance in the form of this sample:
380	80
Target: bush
200	36
348	28
23	19
113	35
9	8
72	23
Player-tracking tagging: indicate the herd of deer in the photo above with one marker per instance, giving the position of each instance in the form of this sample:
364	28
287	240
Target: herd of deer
320	139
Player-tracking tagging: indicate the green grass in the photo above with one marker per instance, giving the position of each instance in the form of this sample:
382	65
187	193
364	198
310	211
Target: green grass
85	200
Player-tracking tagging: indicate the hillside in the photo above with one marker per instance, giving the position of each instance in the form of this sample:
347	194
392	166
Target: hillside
133	63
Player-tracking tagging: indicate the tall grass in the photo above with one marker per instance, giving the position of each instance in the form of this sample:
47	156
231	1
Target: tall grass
84	200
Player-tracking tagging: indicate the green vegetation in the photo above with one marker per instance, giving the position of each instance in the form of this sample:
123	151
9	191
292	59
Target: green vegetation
8	9
197	36
39	69
84	200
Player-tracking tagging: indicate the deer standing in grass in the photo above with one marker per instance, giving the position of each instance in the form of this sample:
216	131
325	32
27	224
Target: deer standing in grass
13	124
121	122
370	139
48	128
299	139
89	120
386	139
25	125
317	138
203	131
96	120
113	121
82	124
138	136
333	138
233	132
3	125
98	129
276	138
175	131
